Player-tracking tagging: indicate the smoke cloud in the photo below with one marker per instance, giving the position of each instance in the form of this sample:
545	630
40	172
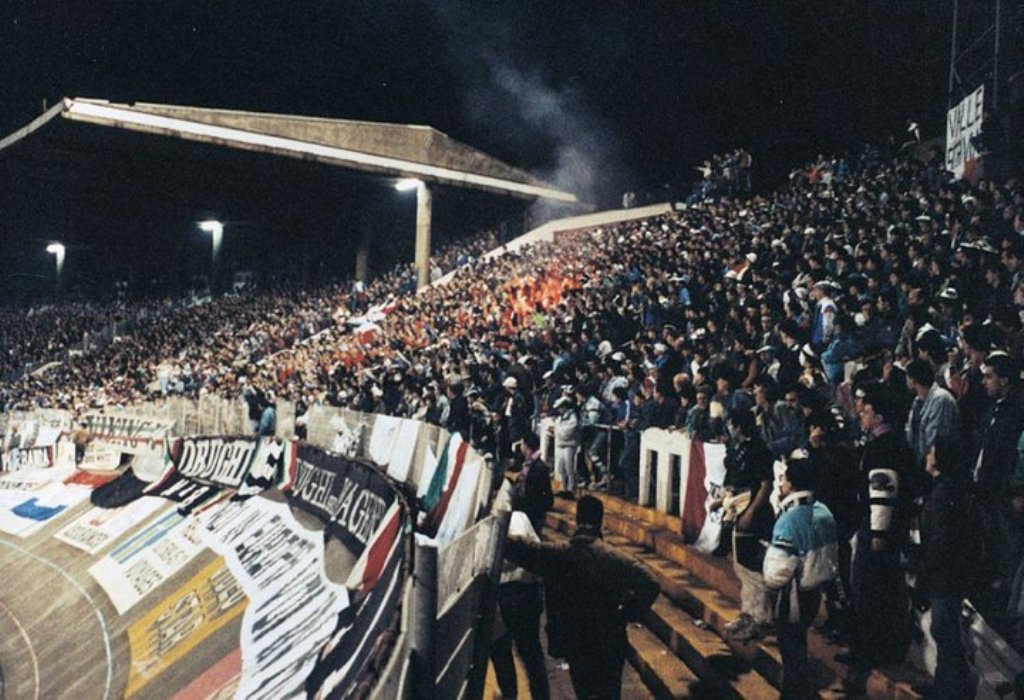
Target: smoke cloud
549	128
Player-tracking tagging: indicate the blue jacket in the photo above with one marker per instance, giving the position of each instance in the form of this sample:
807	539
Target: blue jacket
804	553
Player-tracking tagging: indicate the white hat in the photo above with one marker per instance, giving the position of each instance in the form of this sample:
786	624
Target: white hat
510	383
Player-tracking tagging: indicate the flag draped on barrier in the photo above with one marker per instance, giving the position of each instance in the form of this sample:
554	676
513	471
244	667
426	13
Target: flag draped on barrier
444	480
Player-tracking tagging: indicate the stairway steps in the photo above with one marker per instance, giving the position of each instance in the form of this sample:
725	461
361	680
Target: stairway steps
706	653
705	589
663	672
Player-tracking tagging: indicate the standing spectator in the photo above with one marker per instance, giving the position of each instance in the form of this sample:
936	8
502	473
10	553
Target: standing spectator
515	420
748	479
80	437
594	418
946	566
778	422
801	559
532	493
520	604
268	416
593	590
881	606
567	444
933	414
993	474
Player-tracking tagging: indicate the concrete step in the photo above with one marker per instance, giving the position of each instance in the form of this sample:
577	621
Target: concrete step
663	672
706	653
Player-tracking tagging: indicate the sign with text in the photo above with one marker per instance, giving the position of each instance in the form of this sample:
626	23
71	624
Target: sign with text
963	125
130	433
215	461
98	527
146	559
38	508
165	634
279	564
348	495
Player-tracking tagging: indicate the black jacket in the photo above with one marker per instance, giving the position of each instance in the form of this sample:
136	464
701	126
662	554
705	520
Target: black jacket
532	493
947	556
997	445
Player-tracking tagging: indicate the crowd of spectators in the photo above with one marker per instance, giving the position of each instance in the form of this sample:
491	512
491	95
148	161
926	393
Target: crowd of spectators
866	316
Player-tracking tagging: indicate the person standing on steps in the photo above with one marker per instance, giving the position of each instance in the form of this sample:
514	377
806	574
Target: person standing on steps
532	490
567	443
592	591
802	558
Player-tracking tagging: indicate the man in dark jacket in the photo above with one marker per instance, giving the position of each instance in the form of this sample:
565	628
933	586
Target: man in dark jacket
993	468
880	601
947	561
593	590
532	493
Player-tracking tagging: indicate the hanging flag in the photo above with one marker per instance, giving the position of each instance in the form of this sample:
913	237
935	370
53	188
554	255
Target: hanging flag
368	568
449	467
693	505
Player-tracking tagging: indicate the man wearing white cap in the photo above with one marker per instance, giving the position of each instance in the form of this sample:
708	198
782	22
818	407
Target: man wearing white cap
515	419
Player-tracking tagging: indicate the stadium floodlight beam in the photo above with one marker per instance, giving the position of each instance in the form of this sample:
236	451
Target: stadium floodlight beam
58	250
424	207
216	230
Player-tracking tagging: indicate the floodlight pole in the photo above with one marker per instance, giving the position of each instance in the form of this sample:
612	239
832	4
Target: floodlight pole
216	231
58	251
424	206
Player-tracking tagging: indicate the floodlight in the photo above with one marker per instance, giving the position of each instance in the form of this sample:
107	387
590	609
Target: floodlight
407	184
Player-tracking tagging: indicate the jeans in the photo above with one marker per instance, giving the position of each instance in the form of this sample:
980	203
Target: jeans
793	648
754	597
565	467
952	674
521	606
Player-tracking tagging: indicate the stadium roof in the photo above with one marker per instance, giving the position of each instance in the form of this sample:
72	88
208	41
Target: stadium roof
393	150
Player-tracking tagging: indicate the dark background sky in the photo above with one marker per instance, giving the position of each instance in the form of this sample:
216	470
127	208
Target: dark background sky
596	96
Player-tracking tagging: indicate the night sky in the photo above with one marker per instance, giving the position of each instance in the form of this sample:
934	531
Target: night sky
595	96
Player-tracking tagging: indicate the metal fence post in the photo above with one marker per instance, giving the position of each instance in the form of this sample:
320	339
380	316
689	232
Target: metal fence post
424	620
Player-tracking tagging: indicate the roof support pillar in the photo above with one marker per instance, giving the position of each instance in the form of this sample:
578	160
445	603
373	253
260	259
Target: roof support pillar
424	206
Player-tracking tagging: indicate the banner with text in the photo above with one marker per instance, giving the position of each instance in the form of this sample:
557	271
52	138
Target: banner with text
963	126
349	496
151	556
280	566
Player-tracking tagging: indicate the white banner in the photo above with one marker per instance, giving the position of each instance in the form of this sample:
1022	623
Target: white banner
130	433
147	559
27	512
279	564
963	123
98	527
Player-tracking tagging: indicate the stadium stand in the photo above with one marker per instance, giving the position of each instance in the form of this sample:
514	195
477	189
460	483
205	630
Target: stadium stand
870	302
